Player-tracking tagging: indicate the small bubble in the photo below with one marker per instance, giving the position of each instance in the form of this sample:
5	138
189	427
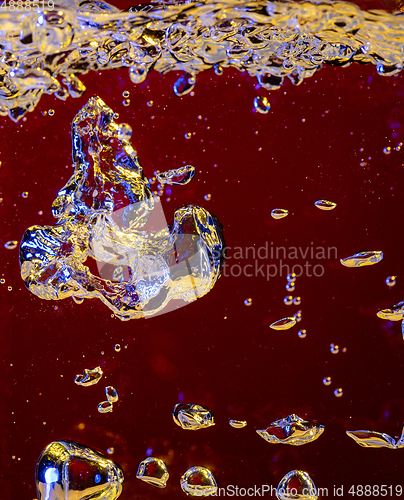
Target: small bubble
279	213
291	277
391	280
302	334
325	204
387	150
124	132
188	135
51	112
125	94
298	316
248	302
105	407
110	451
117	347
150	103
327	380
126	102
208	197
9	288
338	392
112	394
2	281
218	69
288	300
262	105
290	286
40	212
10	245
116	116
78	300
25	194
297	301
344	349
334	348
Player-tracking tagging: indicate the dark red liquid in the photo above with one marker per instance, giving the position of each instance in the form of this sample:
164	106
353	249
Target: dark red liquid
218	352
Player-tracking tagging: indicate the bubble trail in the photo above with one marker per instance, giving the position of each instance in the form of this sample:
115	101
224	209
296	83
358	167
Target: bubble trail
361	259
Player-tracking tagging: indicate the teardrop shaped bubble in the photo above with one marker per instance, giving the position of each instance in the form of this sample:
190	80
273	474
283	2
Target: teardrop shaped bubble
238	424
361	259
390	281
279	213
71	471
284	323
10	245
112	394
89	377
262	105
153	471
181	176
184	85
105	407
198	481
193	417
394	313
325	204
296	484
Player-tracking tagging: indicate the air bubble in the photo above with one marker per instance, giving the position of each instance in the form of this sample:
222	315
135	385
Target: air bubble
298	316
284	323
279	213
262	105
387	150
208	197
10	288
192	416
89	377
327	381
391	281
248	302
11	245
325	205
297	301
153	471
105	407
150	103
117	347
184	85
112	394
296	484
238	424
125	94
291	277
361	259
111	450
290	287
124	132
25	194
188	135
126	102
198	481
334	348
288	300
338	392
51	112
302	334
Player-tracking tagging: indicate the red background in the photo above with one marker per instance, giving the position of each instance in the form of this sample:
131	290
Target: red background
218	352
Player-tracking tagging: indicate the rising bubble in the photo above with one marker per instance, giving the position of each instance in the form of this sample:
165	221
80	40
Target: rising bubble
334	348
193	417
297	301
153	471
105	407
296	484
394	313
112	394
390	281
181	176
25	194
124	132
288	300
89	377
290	287
327	380
361	259
262	105
72	471
338	392
325	204
198	481
284	323
238	424
302	334
10	245
292	430
279	213
117	347
248	302
184	85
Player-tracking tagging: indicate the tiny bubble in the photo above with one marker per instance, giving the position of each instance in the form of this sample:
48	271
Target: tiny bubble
338	392
117	347
150	103
248	302
327	380
302	334
208	197
125	94
25	194
188	135
51	112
